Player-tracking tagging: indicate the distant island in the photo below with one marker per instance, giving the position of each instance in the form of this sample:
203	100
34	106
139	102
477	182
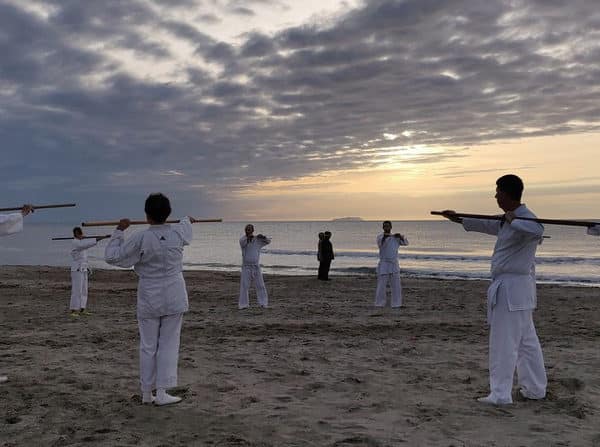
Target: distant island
347	219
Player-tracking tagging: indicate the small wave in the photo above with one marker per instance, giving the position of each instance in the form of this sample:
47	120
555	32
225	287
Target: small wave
438	257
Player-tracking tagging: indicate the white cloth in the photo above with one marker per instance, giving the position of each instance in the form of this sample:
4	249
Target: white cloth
156	255
251	249
511	300
79	289
594	231
10	223
514	256
79	255
388	253
388	270
380	293
159	351
251	271
80	272
514	343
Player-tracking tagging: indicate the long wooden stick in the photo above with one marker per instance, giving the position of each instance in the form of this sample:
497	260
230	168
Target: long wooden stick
84	237
572	223
108	223
40	207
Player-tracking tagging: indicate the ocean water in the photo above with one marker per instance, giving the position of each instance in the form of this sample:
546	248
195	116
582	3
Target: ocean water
437	249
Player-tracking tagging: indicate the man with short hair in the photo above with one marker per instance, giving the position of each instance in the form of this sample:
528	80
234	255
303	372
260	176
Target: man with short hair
251	271
388	268
156	255
80	271
10	224
511	296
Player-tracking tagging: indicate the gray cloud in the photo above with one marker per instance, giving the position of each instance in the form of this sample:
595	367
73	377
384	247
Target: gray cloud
305	100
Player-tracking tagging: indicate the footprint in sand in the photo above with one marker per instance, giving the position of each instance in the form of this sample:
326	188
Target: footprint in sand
363	441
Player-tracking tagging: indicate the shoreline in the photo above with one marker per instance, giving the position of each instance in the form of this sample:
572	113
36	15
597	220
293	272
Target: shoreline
319	367
332	274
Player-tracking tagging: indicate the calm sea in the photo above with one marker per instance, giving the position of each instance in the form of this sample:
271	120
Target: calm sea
437	249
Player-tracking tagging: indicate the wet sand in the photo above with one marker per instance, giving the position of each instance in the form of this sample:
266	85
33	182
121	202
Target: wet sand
320	367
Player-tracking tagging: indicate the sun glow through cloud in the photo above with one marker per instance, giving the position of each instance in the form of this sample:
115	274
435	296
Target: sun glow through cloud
290	104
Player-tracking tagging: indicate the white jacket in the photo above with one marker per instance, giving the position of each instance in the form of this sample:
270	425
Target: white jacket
10	223
251	250
513	261
388	253
156	255
79	253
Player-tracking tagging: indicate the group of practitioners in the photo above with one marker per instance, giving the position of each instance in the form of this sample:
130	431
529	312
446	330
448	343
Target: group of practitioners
156	255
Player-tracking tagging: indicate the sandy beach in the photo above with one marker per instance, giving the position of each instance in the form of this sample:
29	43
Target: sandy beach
320	367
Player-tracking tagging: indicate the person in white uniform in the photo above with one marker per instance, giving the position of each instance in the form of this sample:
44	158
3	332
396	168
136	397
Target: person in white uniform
156	255
11	224
511	296
388	268
80	271
251	272
594	230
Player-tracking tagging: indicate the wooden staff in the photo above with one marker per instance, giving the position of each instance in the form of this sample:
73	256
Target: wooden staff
40	207
572	223
138	222
84	237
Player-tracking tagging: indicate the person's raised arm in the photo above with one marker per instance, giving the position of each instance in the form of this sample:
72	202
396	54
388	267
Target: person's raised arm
524	226
184	229
123	253
264	240
401	239
84	244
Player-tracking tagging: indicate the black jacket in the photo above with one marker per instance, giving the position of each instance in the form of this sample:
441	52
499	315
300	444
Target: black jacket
326	250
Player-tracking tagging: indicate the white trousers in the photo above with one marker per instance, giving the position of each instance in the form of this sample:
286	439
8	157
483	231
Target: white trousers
250	274
380	294
514	344
159	351
79	290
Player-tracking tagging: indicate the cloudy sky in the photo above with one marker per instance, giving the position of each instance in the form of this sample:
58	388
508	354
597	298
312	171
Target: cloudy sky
294	110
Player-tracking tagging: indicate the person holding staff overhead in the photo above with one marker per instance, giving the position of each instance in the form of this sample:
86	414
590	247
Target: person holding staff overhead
388	268
13	222
156	255
251	272
80	271
10	224
511	297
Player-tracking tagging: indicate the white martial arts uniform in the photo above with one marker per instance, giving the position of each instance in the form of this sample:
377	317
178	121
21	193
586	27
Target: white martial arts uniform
251	271
79	273
594	231
511	300
10	223
156	255
388	270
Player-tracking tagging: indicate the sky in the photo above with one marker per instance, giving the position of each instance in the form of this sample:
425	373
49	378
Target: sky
288	110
